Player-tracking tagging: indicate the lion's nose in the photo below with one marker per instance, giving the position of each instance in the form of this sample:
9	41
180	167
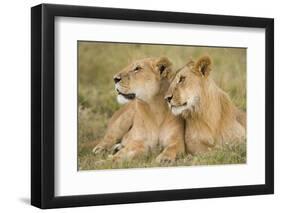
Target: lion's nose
116	79
168	98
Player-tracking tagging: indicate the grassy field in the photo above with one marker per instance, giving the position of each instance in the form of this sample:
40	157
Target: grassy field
98	62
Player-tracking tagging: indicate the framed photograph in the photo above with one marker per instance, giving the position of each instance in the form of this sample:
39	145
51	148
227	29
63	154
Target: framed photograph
139	106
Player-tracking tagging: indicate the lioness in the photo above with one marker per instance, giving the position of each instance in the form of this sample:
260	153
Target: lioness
146	120
211	118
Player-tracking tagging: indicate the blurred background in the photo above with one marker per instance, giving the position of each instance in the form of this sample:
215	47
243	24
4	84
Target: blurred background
99	61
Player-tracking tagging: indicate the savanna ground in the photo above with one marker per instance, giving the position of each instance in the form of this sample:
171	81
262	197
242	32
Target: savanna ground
98	62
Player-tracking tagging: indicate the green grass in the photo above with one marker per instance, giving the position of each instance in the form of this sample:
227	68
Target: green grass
98	62
228	154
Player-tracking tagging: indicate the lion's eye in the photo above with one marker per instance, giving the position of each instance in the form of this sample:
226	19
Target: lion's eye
182	78
137	68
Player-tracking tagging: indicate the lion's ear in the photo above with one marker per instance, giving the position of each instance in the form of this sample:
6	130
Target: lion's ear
163	65
190	63
203	66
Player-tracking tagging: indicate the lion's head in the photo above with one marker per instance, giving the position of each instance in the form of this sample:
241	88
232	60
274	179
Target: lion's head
188	86
142	79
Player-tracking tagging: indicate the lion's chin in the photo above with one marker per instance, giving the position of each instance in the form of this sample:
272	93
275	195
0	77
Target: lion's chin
177	110
122	100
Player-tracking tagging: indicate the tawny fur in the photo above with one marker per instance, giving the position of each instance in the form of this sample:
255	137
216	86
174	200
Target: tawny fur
210	116
146	121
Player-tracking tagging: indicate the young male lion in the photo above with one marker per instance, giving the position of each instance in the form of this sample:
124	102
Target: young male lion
211	118
146	120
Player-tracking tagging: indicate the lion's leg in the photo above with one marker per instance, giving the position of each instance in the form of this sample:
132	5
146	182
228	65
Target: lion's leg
199	143
197	147
131	151
172	139
118	126
171	152
198	138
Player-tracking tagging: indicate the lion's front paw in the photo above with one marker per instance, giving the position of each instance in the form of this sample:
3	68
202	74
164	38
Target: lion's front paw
100	149
164	158
116	148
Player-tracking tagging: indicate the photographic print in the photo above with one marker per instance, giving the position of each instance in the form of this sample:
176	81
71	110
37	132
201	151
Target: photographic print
156	105
158	100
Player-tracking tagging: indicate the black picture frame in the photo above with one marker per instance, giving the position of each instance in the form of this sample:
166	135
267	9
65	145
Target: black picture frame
43	102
